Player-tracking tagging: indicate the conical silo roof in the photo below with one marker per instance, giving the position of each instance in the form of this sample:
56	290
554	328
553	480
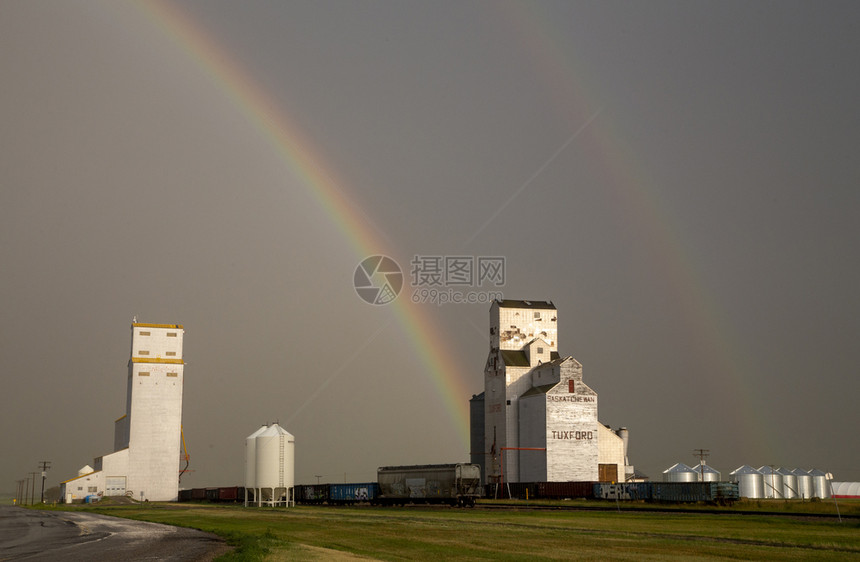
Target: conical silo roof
705	473
678	468
260	430
680	473
273	430
745	469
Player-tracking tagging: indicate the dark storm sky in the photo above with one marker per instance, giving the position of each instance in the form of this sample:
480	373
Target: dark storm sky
680	178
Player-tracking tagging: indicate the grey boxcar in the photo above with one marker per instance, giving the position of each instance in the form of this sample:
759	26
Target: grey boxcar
455	484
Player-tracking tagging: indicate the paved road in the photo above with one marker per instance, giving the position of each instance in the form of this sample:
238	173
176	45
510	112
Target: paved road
74	536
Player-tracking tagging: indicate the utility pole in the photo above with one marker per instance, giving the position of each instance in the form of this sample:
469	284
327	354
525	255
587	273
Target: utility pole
45	466
702	454
21	491
33	488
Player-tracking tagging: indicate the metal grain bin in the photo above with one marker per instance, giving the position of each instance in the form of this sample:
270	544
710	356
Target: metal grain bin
705	473
773	482
679	473
789	484
804	483
274	464
750	482
820	489
251	458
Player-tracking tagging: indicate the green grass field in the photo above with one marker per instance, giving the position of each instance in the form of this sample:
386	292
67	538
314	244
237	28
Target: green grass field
340	533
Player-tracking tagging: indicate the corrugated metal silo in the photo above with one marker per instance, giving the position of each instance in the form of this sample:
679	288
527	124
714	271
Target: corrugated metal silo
773	484
705	473
804	483
820	489
750	482
679	473
789	483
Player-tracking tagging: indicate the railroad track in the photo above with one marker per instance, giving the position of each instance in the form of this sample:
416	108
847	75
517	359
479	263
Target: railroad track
656	508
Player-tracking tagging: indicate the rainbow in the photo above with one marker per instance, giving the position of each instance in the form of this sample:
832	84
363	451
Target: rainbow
307	163
544	38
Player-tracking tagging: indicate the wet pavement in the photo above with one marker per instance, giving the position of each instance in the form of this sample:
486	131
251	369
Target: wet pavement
35	535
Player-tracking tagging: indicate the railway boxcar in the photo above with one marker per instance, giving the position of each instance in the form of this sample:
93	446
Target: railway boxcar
353	493
565	490
717	492
198	494
725	492
230	494
511	490
455	484
630	491
312	493
185	495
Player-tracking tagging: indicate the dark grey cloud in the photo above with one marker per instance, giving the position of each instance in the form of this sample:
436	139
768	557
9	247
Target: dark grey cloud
697	237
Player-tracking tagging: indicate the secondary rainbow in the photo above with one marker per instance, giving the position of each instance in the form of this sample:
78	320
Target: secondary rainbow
556	63
309	166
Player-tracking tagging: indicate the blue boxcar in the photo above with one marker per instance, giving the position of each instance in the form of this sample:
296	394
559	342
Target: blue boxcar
695	491
353	493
